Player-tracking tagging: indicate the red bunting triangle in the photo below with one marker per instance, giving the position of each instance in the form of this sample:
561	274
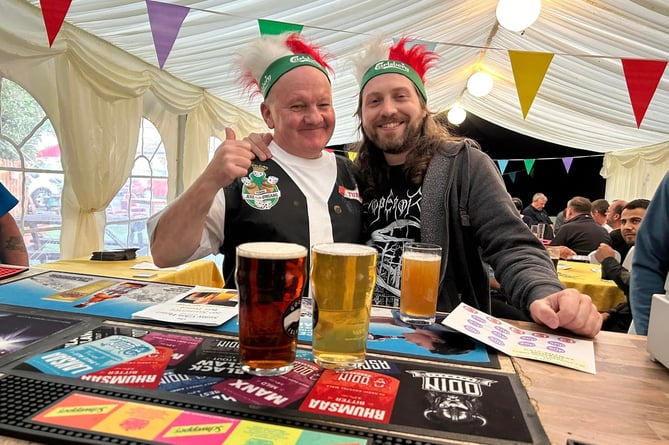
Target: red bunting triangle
642	77
165	20
54	12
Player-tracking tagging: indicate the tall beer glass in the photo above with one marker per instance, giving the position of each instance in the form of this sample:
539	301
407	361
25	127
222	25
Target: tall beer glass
343	276
271	278
420	283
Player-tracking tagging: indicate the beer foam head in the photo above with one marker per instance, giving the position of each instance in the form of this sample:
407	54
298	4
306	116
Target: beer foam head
271	250
348	249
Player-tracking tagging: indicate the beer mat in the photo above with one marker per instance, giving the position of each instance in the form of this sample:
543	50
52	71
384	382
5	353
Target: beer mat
558	349
387	334
168	425
448	402
201	306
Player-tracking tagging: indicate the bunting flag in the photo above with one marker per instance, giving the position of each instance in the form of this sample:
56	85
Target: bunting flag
54	12
529	70
165	20
352	155
529	163
567	163
270	27
512	175
642	77
431	46
502	163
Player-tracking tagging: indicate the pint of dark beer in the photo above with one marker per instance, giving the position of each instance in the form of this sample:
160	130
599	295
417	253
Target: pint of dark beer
271	278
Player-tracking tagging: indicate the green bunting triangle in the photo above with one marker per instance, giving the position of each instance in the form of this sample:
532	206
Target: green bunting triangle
529	163
270	27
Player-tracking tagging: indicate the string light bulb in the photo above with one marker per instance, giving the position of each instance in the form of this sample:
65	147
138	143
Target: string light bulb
518	15
479	84
456	115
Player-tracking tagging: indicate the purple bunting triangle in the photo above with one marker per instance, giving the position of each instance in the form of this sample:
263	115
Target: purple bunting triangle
567	163
165	20
502	163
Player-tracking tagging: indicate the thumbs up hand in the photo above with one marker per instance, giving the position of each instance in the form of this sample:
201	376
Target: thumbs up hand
232	159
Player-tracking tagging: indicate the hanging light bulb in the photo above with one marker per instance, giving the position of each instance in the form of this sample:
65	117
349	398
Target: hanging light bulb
518	15
479	84
456	115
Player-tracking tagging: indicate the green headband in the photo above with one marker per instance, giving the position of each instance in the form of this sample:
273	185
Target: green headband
393	66
284	64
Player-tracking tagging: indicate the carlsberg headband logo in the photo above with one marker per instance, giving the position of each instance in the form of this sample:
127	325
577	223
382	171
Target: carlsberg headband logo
284	64
394	66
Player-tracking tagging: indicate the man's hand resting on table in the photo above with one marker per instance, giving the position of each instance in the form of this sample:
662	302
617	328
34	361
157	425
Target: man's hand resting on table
568	309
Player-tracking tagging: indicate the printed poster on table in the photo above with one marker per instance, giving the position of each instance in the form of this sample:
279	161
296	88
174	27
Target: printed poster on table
557	349
87	294
19	330
388	334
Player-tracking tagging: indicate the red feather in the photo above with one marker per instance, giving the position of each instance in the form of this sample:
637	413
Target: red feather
417	57
298	46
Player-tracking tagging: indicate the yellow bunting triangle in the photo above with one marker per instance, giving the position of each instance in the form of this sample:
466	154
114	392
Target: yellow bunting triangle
352	155
529	69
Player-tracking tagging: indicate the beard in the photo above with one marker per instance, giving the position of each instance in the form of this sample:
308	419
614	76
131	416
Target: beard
401	144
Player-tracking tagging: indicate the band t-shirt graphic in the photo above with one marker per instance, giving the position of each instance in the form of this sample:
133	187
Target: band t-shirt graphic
391	220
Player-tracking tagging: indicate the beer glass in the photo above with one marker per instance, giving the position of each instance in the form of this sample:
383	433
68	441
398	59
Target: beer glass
419	287
343	276
271	278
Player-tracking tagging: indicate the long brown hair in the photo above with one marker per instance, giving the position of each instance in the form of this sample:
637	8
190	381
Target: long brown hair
373	170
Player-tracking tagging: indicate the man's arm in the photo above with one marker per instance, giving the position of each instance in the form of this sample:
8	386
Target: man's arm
613	270
178	232
12	246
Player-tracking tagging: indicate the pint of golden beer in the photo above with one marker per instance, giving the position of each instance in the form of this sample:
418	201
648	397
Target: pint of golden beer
419	288
343	276
271	278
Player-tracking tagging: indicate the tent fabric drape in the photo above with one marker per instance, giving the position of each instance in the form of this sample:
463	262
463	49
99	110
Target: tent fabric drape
632	174
94	95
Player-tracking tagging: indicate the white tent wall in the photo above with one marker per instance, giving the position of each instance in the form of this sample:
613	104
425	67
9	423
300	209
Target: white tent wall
632	174
95	95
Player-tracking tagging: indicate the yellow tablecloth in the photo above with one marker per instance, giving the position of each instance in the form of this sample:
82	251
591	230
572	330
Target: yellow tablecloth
587	278
196	273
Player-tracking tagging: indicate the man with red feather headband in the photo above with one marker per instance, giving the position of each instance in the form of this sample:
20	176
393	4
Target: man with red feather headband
303	194
420	183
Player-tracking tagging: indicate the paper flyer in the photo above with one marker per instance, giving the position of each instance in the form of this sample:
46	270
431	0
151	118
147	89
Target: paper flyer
203	306
557	349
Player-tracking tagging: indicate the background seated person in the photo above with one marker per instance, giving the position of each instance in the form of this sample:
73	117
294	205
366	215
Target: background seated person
619	318
536	214
580	232
12	247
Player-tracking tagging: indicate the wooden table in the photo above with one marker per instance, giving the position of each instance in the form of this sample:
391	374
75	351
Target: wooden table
199	272
626	402
587	278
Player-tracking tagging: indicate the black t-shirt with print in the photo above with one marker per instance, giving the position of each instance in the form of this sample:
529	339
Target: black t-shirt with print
390	221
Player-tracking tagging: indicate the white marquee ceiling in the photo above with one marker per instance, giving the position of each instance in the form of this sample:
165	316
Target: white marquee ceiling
582	103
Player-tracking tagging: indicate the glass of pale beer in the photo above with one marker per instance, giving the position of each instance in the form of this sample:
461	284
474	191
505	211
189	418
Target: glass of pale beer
271	278
343	276
419	287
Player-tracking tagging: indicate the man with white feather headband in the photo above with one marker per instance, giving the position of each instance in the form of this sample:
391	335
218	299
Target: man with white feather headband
420	183
303	194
